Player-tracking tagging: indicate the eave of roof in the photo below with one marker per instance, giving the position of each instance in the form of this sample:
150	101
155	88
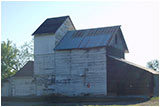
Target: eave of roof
126	51
26	70
130	63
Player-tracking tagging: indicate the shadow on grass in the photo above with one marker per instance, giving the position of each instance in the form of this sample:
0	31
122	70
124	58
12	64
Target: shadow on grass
70	101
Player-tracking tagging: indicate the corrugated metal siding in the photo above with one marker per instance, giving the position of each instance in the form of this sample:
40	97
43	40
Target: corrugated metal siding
88	38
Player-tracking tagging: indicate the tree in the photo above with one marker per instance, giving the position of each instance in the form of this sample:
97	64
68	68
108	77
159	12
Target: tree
25	53
9	62
154	64
12	58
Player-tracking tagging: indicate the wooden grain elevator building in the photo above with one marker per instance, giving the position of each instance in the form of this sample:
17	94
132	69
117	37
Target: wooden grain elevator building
86	62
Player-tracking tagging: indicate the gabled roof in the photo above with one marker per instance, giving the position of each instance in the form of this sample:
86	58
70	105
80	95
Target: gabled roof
120	34
88	38
50	25
26	70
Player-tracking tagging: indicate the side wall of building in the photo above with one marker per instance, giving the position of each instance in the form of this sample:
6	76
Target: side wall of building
44	72
44	63
115	52
125	79
81	72
118	42
19	86
22	86
156	84
44	44
5	89
64	28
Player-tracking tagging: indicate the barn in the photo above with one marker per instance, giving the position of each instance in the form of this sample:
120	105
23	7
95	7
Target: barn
84	62
21	84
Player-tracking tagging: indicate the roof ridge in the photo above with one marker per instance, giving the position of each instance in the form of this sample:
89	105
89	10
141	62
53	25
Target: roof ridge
96	28
57	17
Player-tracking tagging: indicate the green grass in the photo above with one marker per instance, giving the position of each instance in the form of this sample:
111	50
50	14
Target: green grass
147	103
155	98
113	105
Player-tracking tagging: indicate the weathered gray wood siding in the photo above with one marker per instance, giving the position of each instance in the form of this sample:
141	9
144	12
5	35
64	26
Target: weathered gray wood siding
64	28
115	52
80	72
118	41
5	89
125	79
45	43
156	84
22	86
44	64
19	86
44	73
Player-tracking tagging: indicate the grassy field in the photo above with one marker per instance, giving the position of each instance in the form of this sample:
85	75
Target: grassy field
79	101
151	102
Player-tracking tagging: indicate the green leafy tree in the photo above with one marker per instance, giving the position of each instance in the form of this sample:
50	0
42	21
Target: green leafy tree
154	64
9	63
12	58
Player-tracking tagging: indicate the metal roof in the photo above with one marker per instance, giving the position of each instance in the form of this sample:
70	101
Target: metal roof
133	64
50	25
88	38
26	70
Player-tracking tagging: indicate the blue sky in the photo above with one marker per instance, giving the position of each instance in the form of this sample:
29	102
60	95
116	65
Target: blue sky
139	22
